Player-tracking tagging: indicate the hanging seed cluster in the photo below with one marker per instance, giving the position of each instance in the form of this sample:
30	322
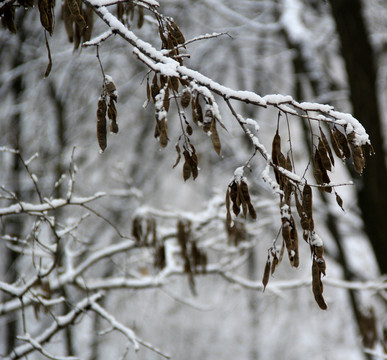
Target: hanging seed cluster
106	107
303	199
194	259
345	147
46	11
238	194
7	14
78	21
172	39
126	13
160	90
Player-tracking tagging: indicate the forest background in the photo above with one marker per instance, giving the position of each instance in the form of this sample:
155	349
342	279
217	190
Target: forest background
110	246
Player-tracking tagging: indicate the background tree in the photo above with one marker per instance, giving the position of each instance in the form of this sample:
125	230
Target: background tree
138	234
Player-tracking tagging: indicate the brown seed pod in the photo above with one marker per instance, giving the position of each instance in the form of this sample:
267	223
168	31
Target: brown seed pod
178	155
317	286
163	129
274	263
339	200
89	18
140	20
148	90
185	98
76	11
266	273
208	119
173	83
252	211
159	259
228	213
321	265
286	233
176	33
245	190
8	18
155	89
335	145
197	112
110	87
357	153
101	134
325	161
307	202
112	111
294	255
194	163
327	147
188	129
46	16
187	168
166	101
120	11
276	148
68	21
342	142
215	137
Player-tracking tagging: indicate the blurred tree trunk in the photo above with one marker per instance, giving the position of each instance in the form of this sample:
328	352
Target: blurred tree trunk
13	225
359	60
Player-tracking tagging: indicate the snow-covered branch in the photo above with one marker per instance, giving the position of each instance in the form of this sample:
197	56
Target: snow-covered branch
59	323
167	66
49	205
275	286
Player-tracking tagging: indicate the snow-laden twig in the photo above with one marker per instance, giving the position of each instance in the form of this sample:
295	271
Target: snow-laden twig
49	205
38	347
59	323
375	285
99	39
129	333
